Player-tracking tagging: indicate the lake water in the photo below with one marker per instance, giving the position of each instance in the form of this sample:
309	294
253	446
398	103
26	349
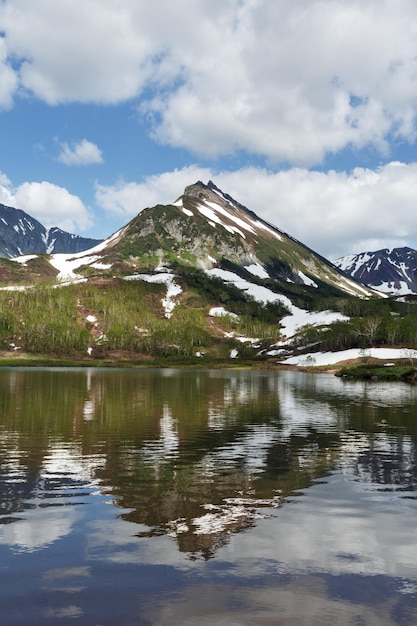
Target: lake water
172	497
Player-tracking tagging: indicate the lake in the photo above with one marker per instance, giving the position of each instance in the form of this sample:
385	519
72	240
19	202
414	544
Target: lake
175	497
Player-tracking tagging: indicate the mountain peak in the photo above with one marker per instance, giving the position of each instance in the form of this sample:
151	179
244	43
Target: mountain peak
196	190
392	271
202	190
207	229
212	193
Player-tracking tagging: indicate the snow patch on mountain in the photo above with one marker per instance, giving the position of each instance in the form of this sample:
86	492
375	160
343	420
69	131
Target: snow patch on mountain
353	288
260	293
173	289
399	289
210	215
241	223
290	323
217	311
219	213
25	258
269	230
66	264
51	246
257	270
209	211
352	262
306	280
299	318
331	358
16	288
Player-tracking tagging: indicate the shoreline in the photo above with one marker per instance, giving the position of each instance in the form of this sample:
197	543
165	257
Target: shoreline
120	361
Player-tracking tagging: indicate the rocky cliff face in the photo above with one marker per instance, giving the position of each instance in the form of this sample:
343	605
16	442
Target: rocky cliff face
22	234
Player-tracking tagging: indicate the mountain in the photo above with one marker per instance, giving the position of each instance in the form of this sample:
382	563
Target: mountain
22	234
201	277
390	271
207	230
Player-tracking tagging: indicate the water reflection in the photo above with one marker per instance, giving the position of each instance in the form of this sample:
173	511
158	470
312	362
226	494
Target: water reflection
191	454
271	476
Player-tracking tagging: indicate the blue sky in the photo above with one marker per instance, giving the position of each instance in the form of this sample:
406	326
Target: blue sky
303	111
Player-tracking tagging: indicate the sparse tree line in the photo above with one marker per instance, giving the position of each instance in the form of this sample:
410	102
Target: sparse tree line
56	321
386	323
128	316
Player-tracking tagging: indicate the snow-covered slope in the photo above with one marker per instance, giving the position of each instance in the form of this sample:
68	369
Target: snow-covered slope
390	271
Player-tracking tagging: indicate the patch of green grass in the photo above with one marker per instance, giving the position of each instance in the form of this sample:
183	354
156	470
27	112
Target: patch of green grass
406	373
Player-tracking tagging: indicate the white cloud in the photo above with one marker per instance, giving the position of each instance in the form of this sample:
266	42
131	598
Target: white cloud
48	203
82	153
8	78
53	206
293	81
129	198
333	213
78	50
288	80
6	190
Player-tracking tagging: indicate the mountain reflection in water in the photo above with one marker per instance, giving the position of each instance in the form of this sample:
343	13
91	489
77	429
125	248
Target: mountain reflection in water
165	468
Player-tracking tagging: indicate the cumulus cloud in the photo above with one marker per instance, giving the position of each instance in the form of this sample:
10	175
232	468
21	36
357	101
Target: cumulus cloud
291	81
333	213
8	78
82	153
296	80
48	203
129	198
75	50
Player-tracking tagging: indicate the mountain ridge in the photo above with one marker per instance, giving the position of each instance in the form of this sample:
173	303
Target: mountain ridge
22	234
392	271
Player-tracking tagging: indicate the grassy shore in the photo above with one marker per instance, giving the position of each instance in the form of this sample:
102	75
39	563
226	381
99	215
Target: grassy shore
375	371
130	361
371	369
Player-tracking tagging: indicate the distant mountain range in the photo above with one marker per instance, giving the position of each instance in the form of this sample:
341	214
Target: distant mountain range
22	234
390	271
